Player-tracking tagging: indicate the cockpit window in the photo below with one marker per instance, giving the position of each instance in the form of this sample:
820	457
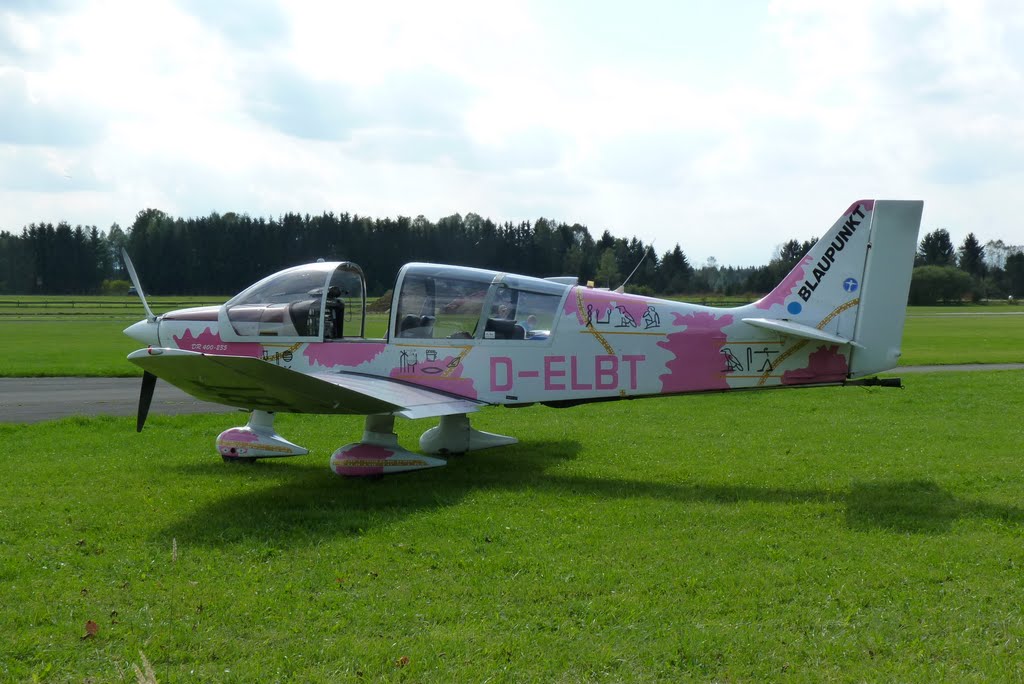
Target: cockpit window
536	312
436	307
461	303
516	314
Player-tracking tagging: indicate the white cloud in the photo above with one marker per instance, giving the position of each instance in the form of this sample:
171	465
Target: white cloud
728	130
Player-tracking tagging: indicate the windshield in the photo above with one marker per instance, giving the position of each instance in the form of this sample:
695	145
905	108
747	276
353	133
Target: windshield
283	287
294	303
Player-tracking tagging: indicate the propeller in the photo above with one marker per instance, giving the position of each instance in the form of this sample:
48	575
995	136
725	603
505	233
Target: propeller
145	399
138	286
148	379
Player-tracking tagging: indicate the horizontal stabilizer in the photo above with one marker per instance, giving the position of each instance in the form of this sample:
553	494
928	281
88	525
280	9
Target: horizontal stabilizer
252	383
797	330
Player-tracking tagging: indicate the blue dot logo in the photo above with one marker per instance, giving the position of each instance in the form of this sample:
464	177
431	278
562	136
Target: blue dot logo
794	308
850	285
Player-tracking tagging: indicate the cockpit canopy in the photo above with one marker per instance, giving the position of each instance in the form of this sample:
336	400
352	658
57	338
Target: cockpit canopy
325	300
459	303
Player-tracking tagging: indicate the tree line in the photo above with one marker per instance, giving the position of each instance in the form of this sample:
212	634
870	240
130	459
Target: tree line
946	274
222	253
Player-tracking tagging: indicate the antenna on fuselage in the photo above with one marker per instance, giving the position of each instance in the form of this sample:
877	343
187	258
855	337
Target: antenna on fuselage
622	288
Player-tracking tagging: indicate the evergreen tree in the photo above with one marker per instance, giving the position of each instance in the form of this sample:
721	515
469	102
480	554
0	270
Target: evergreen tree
971	256
675	271
936	249
1015	274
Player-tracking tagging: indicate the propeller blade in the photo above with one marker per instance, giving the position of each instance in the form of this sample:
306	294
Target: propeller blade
135	281
145	398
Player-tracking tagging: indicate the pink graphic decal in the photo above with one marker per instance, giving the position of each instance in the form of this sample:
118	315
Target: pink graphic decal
443	374
679	320
229	442
605	309
241	434
209	342
350	354
698	362
865	205
360	460
824	365
788	285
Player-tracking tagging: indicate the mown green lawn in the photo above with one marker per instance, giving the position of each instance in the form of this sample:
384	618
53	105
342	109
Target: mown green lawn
827	534
86	348
37	306
962	337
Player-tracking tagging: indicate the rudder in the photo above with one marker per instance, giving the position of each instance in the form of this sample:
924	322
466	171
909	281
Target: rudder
887	273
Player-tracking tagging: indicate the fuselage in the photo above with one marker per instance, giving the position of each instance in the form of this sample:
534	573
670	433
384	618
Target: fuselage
506	339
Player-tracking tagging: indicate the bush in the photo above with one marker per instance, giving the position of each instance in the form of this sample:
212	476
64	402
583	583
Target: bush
935	284
115	287
642	290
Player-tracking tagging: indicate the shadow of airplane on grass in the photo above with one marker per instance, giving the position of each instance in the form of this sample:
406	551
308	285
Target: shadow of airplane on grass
309	504
919	506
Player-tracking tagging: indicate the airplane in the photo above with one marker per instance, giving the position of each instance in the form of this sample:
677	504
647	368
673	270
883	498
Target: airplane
462	338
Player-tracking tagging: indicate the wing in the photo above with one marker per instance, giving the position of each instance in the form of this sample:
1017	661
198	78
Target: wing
252	383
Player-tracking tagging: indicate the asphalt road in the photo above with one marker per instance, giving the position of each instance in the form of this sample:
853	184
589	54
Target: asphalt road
30	400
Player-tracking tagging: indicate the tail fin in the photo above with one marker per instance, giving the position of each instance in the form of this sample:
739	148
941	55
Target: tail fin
852	286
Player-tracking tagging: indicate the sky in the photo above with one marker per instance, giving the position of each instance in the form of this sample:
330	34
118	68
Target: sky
726	127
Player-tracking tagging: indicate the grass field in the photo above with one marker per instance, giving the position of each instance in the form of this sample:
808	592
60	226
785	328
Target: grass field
83	342
962	337
829	534
84	347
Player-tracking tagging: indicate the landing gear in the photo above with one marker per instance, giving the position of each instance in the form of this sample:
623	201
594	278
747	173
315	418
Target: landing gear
255	440
378	452
454	435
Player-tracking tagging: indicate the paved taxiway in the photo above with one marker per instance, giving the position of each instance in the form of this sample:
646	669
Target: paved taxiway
30	400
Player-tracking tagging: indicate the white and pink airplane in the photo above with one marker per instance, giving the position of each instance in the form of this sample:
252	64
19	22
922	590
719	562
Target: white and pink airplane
460	339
